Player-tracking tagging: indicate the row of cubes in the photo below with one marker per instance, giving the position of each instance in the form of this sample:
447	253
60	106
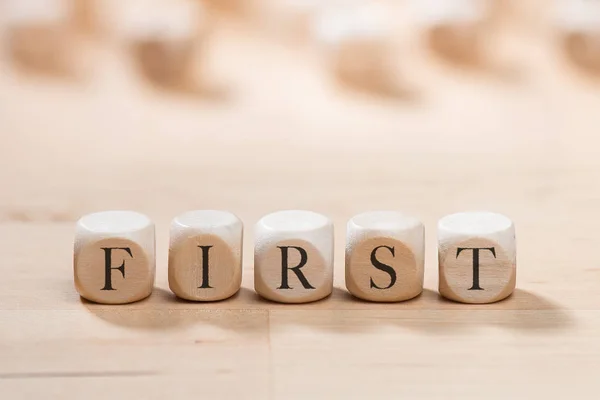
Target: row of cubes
114	256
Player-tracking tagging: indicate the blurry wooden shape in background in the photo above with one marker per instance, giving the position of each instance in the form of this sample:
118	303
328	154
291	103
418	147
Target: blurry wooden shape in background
39	36
288	20
456	29
167	41
579	25
237	8
358	44
85	16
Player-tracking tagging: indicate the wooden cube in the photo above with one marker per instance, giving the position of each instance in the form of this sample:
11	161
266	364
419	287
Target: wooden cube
165	37
38	33
477	257
579	22
451	12
114	257
455	28
293	256
205	255
385	256
288	19
357	43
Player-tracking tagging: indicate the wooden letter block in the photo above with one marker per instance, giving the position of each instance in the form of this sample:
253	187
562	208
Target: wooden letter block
357	44
293	256
456	28
579	21
442	12
477	257
114	258
205	255
37	32
165	37
288	19
384	256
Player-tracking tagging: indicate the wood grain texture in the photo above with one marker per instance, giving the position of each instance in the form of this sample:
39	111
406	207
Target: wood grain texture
523	144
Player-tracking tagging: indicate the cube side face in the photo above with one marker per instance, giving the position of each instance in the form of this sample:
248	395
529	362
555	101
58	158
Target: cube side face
162	61
42	47
113	270
293	271
383	269
204	267
38	33
166	40
476	270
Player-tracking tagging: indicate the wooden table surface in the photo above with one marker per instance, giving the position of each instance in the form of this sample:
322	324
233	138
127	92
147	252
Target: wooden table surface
277	133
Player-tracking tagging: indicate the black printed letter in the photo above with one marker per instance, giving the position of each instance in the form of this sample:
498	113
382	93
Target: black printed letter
476	263
383	267
296	269
205	284
108	263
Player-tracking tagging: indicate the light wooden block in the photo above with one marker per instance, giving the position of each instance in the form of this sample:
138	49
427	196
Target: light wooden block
449	12
579	23
114	257
37	31
456	29
18	13
165	36
205	255
357	43
477	257
288	19
385	256
293	256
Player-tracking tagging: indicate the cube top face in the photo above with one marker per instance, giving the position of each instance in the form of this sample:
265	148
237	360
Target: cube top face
203	219
348	23
114	222
295	225
385	256
213	222
168	21
293	258
296	222
114	257
477	257
438	12
383	221
24	12
484	224
205	255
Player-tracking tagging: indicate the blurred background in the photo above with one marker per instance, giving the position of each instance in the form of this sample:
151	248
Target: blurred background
339	106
